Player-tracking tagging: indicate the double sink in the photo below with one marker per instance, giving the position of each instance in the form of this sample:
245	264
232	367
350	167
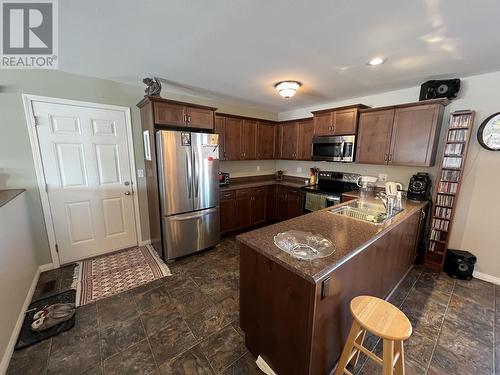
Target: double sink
364	211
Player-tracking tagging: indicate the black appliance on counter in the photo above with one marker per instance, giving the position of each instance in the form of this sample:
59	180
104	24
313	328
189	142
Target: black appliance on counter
419	187
328	191
459	264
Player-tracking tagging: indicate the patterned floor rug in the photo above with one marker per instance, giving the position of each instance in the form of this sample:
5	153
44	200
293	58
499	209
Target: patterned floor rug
107	275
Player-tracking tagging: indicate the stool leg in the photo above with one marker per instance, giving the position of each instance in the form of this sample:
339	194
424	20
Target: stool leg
346	353
359	341
400	363
388	368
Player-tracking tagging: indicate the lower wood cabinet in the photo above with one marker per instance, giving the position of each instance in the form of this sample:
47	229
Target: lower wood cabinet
244	208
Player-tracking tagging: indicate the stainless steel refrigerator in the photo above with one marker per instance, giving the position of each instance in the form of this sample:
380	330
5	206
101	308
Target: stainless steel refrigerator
188	166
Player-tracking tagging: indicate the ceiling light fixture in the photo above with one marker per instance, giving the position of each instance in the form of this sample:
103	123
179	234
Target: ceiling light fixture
287	89
376	61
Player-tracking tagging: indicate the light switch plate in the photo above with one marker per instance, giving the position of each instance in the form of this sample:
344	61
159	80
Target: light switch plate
299	169
258	168
140	173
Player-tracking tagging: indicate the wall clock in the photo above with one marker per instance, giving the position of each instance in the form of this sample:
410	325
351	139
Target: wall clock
488	133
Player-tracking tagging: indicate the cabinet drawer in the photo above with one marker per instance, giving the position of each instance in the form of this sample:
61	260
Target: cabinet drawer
227	195
242	193
262	190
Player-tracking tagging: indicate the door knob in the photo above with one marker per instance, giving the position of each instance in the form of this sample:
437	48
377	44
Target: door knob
127	193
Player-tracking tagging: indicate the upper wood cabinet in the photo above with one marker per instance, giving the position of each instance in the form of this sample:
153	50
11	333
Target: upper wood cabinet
374	136
265	140
289	137
306	130
337	121
405	135
178	114
220	129
232	136
248	134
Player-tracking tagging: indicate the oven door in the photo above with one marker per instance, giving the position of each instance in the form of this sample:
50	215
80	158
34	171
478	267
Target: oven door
327	149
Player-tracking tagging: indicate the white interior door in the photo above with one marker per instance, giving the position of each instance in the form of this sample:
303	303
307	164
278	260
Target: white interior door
88	173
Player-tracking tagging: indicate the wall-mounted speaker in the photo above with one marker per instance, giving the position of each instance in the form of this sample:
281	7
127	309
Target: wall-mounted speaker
445	88
459	264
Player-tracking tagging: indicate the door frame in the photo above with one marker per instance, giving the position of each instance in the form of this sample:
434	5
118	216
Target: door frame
40	176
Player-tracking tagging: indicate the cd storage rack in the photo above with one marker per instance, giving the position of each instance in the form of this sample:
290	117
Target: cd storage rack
448	187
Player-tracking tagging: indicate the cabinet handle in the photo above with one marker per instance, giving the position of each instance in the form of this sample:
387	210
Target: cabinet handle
188	118
389	157
423	214
385	157
185	118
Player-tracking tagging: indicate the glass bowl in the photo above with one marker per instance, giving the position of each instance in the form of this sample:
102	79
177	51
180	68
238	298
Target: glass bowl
304	245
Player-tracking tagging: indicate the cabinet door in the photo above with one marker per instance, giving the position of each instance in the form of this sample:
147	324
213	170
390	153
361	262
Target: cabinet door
414	135
259	206
243	208
323	124
169	114
232	139
227	214
289	140
271	203
248	139
374	136
294	204
219	128
200	118
281	204
277	141
345	121
265	140
306	131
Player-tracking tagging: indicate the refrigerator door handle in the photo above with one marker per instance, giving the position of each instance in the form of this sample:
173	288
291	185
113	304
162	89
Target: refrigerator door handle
193	215
196	180
189	176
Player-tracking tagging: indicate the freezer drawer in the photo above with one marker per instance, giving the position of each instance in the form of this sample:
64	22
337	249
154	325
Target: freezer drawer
187	233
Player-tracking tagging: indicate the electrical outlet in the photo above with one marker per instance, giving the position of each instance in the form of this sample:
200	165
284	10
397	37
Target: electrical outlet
258	168
140	173
299	169
382	177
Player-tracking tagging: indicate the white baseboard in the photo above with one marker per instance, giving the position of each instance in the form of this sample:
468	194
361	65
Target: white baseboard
486	277
4	364
145	242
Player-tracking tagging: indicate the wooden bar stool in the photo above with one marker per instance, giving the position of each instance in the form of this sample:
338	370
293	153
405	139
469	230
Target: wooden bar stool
383	320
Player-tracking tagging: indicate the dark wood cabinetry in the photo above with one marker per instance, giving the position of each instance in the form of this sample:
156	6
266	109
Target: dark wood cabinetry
228	211
337	121
245	138
243	208
178	114
405	135
220	129
289	203
265	140
295	139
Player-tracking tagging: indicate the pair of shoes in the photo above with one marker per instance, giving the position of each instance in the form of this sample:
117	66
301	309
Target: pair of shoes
52	315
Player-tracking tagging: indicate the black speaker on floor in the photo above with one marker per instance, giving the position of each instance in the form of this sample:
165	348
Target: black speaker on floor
443	88
459	264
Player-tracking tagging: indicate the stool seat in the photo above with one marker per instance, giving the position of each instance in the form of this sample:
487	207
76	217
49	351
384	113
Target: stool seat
381	318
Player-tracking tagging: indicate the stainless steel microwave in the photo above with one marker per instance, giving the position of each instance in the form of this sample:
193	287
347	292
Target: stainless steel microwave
334	148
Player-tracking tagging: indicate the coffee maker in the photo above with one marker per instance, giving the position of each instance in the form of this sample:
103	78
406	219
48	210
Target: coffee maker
419	188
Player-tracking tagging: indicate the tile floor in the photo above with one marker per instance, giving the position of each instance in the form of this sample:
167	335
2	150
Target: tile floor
188	324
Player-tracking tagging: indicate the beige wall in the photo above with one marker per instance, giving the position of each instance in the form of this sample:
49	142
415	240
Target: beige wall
476	227
16	161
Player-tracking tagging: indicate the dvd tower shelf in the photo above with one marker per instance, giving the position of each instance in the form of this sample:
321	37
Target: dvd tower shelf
448	187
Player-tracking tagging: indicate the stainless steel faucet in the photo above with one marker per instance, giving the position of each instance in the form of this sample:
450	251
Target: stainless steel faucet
388	202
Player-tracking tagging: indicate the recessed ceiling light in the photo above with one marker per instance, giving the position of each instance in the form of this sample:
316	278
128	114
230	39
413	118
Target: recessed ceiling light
287	89
376	61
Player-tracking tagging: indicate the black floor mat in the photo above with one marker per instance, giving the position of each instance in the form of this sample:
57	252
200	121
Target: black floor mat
28	337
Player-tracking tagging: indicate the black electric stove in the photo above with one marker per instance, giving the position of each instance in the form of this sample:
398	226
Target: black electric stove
328	190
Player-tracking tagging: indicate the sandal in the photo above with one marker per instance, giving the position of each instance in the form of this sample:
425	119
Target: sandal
51	319
59	307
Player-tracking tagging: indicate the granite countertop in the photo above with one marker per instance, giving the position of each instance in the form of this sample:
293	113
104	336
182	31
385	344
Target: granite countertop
251	184
7	195
348	235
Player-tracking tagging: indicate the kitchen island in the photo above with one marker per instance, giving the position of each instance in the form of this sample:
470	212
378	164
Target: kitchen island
295	313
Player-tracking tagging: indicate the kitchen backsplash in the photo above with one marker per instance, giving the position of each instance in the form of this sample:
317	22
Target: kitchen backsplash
248	167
